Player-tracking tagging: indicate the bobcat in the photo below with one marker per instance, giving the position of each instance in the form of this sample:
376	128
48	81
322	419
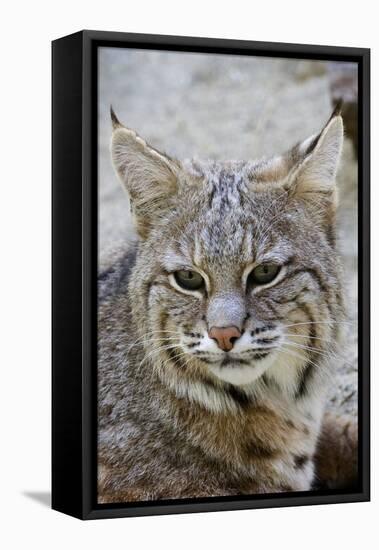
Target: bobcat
218	330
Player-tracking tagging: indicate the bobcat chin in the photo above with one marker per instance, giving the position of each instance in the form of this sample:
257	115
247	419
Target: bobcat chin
218	330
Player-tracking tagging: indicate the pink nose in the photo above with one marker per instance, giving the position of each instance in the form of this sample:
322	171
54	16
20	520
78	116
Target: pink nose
225	336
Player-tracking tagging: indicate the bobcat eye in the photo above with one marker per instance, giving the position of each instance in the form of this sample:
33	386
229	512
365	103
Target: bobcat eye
190	280
264	273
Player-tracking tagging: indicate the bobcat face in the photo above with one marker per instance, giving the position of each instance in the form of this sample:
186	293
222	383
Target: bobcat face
231	274
236	272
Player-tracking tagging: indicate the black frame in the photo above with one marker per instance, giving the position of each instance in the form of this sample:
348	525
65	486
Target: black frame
74	204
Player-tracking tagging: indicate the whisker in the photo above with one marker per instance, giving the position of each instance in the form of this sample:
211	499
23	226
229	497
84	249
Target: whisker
306	336
156	351
309	348
177	356
166	339
327	354
321	323
145	336
298	356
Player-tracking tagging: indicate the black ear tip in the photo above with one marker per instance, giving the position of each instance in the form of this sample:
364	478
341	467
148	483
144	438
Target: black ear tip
115	122
337	111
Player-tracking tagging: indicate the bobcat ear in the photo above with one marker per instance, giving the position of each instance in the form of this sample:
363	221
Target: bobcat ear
318	159
149	177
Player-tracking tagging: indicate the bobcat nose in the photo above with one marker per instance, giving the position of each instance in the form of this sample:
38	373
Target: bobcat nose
224	336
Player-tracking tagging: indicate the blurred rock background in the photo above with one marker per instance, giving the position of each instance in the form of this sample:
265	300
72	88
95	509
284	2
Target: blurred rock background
229	107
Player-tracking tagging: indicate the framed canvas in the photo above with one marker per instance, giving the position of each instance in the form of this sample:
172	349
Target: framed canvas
210	274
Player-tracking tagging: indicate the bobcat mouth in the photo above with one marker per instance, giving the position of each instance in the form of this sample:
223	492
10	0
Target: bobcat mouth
231	361
258	356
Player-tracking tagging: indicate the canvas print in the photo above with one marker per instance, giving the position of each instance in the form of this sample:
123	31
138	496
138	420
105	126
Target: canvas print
227	275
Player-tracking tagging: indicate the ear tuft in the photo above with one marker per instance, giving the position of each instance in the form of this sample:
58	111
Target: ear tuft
337	109
317	172
115	122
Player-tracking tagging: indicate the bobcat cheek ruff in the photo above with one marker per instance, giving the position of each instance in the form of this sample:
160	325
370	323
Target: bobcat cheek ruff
214	354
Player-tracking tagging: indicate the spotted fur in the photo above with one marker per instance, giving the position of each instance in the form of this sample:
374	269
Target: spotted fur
178	416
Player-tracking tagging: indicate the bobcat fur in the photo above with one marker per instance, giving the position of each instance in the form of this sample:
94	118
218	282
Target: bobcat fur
181	416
